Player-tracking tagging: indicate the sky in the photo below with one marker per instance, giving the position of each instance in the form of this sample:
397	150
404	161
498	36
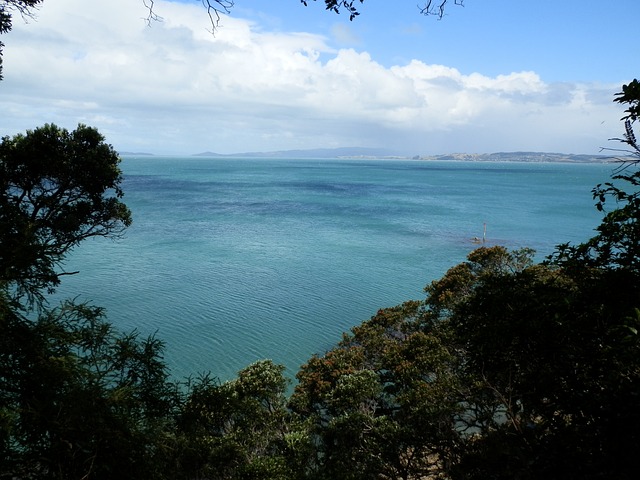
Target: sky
491	76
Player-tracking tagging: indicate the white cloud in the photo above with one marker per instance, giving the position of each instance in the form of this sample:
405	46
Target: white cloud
175	88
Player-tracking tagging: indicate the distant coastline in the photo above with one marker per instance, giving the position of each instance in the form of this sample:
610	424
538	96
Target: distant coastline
136	154
540	157
354	153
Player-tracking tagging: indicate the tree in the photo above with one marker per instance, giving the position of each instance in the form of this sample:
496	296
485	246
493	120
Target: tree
7	7
240	428
57	188
617	243
383	403
78	400
548	368
551	351
508	369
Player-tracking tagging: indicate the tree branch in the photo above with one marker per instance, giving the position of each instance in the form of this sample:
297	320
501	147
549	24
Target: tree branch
215	8
26	8
437	8
152	16
213	11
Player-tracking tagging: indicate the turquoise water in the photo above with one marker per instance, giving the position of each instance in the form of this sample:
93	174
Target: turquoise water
234	260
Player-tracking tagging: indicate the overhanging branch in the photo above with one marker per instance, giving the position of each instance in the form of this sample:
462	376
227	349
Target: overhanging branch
437	7
215	8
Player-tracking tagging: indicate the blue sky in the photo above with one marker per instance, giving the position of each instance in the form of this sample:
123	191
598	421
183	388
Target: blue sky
494	75
565	40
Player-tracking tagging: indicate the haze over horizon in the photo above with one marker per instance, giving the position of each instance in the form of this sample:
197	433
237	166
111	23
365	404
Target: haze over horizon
364	152
490	77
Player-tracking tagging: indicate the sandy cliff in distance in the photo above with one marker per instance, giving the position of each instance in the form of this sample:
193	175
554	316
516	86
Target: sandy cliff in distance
521	157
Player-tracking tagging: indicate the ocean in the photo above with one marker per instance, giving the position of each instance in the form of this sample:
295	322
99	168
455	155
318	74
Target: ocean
230	261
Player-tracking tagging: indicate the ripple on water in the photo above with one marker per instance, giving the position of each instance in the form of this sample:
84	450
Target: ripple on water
231	261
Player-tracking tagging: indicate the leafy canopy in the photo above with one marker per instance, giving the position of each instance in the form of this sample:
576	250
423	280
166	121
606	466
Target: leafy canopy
78	399
57	188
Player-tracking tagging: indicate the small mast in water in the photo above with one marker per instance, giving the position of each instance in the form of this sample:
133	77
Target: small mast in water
484	235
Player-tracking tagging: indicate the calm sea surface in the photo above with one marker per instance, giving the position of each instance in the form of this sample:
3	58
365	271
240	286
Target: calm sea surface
234	260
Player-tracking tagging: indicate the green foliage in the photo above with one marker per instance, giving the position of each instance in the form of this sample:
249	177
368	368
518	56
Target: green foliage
617	244
382	402
508	369
551	360
630	96
57	188
239	429
547	373
79	400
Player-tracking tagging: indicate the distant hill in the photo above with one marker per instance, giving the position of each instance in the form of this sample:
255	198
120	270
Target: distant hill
520	157
363	152
345	152
373	153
